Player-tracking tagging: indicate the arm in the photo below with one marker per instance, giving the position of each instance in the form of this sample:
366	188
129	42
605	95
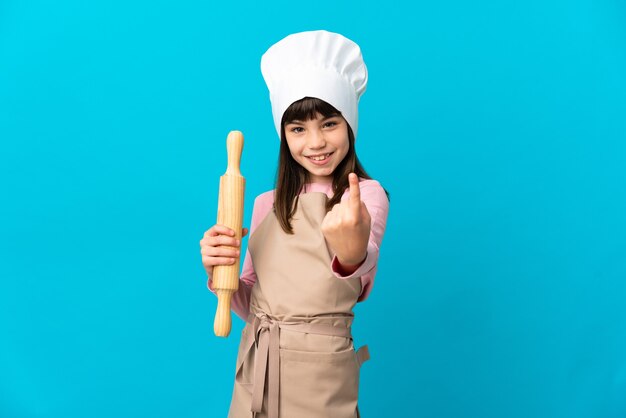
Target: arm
240	303
375	199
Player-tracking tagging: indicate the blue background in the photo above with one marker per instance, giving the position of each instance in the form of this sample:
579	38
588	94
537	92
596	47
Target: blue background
498	128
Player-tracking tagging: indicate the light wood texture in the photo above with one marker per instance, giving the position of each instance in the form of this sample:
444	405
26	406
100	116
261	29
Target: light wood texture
230	214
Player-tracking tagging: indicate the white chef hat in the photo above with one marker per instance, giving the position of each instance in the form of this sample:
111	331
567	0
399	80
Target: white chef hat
319	64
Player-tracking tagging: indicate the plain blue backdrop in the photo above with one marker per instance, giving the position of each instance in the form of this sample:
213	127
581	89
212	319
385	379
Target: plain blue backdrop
499	129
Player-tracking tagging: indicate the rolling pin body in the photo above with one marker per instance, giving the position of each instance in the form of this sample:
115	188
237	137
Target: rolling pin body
230	214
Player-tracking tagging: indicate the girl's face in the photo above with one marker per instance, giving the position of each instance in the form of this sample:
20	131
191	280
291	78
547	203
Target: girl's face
318	145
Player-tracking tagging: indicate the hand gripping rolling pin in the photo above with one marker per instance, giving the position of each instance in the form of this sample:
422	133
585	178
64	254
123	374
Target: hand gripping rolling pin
230	214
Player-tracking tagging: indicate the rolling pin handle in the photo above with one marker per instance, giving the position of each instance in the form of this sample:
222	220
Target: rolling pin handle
234	146
222	323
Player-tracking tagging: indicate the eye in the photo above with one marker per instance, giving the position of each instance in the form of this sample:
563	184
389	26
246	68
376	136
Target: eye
330	124
296	129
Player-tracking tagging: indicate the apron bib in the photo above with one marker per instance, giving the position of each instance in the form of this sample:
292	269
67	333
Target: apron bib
296	357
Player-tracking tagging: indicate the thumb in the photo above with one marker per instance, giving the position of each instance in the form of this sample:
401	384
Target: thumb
244	232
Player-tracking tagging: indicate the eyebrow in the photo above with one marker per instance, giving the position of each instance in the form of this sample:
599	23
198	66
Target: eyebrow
324	119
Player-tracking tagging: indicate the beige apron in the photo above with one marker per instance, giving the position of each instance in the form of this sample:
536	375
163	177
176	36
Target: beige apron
296	357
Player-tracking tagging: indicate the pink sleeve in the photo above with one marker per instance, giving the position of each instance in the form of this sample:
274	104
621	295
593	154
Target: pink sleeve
240	303
375	199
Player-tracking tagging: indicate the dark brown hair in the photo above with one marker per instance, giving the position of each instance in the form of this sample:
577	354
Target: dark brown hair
291	176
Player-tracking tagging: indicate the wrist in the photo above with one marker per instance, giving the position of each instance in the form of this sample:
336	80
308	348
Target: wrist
347	267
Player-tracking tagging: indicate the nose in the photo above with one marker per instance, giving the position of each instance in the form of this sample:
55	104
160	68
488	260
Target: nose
316	139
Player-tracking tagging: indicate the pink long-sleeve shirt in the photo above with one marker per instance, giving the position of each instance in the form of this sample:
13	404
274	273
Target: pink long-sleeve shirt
375	199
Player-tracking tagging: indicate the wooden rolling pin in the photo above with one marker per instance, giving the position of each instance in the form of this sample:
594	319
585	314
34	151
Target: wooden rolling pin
230	214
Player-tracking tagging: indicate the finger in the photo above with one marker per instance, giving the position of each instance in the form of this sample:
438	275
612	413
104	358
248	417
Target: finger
219	230
333	215
217	240
355	190
217	261
365	213
223	240
244	232
219	252
327	219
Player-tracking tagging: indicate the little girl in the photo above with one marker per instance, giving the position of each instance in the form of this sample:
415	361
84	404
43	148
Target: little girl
314	241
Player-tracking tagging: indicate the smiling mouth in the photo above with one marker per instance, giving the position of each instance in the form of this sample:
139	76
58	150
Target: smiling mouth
320	157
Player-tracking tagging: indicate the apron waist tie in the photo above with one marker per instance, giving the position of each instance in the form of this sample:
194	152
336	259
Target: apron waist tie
363	354
266	336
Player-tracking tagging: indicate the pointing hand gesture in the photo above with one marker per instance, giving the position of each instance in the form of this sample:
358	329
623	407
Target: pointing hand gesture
347	227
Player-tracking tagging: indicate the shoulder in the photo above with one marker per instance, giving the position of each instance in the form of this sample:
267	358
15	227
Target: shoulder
375	198
265	198
372	186
371	190
263	203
